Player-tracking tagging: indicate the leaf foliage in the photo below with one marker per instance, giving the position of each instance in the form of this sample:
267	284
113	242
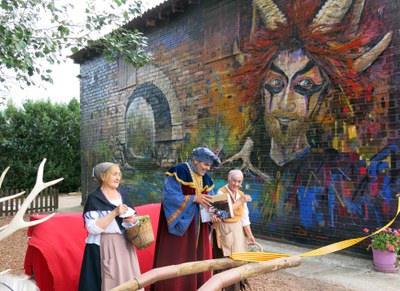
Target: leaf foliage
40	130
36	34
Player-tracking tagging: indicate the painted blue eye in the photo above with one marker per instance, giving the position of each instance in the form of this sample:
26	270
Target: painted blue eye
274	86
276	83
306	84
307	87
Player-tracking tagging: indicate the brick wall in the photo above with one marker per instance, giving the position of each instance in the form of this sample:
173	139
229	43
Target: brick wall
312	112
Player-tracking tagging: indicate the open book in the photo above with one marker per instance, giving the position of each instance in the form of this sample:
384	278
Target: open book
222	206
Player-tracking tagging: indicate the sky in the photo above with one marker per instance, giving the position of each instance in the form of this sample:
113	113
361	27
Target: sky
65	82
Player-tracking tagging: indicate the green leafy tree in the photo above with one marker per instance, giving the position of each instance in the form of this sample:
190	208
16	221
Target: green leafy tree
41	130
35	34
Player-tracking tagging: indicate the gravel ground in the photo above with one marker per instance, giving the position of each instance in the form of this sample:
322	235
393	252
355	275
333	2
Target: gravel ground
13	249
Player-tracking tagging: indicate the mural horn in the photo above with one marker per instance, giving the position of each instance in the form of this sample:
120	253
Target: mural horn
358	8
270	13
364	61
330	14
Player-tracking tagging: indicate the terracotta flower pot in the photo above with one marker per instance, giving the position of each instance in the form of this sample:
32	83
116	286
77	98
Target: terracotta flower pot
384	261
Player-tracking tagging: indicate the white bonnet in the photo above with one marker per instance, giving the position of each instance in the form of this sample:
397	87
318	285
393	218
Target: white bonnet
233	173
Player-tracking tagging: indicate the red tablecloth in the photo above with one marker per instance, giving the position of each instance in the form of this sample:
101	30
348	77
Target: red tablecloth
55	249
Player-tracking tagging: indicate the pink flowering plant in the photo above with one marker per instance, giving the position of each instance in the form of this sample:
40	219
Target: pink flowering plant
386	240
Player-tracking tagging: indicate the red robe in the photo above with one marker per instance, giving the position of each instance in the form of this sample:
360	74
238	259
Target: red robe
193	245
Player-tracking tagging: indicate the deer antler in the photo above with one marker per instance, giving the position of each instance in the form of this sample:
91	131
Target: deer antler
8	197
18	222
11	197
3	175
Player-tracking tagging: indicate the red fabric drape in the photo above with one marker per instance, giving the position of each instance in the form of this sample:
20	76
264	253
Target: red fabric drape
55	249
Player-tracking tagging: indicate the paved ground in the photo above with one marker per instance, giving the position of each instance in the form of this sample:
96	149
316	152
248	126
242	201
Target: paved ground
350	272
70	203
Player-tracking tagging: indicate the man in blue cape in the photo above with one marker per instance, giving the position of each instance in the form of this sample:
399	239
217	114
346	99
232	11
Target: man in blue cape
182	236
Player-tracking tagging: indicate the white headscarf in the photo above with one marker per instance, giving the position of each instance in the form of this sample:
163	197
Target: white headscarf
233	173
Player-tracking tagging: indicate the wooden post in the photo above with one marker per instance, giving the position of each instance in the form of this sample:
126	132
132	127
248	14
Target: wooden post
241	270
173	271
235	275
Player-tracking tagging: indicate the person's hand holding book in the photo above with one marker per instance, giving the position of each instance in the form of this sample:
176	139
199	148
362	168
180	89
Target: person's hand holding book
204	200
215	219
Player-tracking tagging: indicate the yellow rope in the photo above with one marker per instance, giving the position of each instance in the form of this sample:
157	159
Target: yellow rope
260	257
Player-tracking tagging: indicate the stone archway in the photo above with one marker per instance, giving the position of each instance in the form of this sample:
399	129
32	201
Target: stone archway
152	118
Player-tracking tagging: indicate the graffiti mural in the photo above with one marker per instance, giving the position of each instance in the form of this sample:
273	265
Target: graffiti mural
298	94
321	109
312	110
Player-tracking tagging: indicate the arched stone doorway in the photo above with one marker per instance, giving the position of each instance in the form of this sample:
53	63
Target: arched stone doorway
153	119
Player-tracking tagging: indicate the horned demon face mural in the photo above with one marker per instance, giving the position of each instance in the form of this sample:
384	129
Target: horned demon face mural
290	89
304	58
